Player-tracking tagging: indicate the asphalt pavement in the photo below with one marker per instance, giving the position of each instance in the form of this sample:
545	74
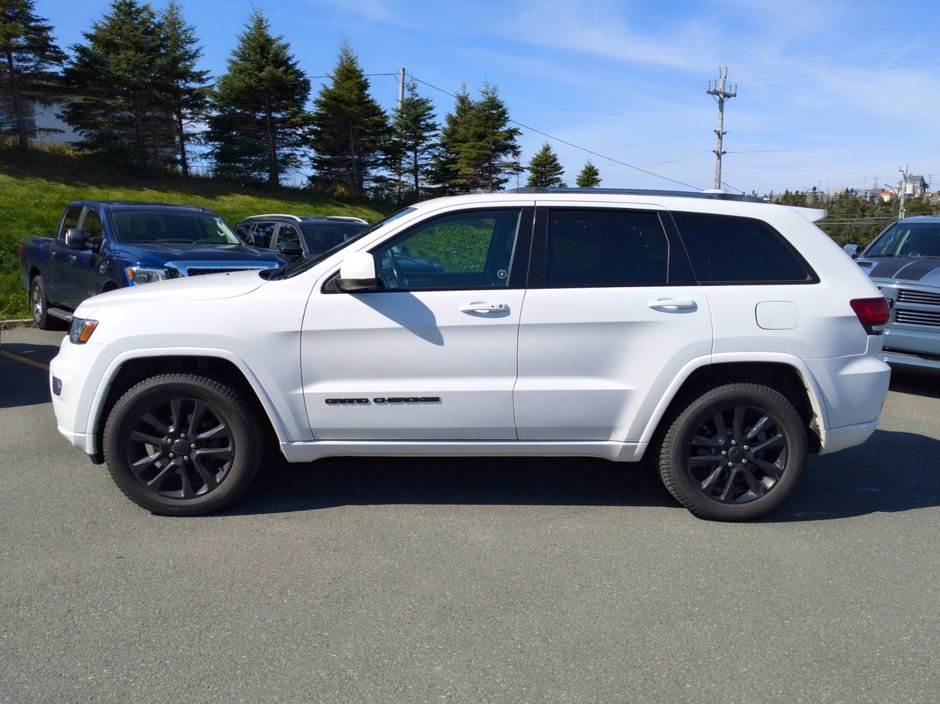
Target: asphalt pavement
466	580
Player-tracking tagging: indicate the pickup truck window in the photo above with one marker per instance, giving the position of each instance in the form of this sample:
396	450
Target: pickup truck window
72	215
137	226
92	225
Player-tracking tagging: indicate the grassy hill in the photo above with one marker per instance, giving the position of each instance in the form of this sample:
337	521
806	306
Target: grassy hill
34	189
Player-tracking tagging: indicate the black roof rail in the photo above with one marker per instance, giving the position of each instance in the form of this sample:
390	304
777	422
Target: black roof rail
709	195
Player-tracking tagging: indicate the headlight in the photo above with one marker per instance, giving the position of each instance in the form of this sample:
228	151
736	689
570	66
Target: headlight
142	275
81	330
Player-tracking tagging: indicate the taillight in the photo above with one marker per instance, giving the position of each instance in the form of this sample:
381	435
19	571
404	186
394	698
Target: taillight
19	250
872	313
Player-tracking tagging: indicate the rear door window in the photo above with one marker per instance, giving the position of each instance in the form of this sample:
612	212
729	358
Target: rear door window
591	247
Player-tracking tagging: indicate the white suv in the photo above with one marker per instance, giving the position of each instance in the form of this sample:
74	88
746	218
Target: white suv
727	336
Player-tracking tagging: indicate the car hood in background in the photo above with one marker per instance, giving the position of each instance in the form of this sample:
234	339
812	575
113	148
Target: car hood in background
921	270
165	251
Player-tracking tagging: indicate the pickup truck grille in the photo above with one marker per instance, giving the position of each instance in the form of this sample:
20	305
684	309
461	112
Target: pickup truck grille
177	269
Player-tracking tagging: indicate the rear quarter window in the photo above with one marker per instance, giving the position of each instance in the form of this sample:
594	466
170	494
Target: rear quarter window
726	249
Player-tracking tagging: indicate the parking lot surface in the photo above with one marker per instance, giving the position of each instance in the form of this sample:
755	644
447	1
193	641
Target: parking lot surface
466	580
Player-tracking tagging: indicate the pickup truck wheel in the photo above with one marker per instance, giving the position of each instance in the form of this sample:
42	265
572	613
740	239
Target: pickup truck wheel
734	453
39	305
182	444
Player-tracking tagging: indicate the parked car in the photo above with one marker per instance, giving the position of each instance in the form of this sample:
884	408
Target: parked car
724	336
106	245
299	236
904	262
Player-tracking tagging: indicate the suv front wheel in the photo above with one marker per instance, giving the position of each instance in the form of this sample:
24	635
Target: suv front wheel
182	444
734	453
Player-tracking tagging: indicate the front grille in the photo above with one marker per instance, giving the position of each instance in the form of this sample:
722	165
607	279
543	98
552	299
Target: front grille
196	271
907	295
917	317
197	268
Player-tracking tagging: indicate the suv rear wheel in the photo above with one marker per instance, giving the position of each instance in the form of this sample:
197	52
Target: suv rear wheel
734	453
181	444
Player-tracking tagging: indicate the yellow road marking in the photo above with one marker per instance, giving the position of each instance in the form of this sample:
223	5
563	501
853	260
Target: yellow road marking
25	360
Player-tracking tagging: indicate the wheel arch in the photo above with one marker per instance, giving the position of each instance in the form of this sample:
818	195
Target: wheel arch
131	371
788	378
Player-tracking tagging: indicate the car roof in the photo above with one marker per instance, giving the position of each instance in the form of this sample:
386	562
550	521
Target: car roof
139	205
921	218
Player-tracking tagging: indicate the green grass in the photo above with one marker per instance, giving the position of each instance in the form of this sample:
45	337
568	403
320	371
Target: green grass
36	187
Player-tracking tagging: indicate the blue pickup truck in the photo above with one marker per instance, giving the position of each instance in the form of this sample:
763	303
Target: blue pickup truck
105	245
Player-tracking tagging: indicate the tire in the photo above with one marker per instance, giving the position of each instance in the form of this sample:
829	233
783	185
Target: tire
39	305
735	452
182	444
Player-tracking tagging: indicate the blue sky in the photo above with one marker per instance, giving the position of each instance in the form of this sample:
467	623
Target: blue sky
830	94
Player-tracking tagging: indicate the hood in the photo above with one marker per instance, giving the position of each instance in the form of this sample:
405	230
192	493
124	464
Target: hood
210	287
157	253
920	270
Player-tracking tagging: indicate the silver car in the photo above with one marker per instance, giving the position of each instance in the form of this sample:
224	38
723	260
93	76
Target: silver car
904	262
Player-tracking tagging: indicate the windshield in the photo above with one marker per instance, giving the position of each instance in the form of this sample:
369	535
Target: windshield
302	266
171	226
907	239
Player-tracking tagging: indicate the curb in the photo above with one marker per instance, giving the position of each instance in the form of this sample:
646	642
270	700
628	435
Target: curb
16	324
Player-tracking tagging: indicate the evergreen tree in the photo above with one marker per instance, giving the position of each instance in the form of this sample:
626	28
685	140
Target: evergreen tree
350	131
544	169
260	126
455	132
28	54
187	93
117	74
415	132
478	147
589	177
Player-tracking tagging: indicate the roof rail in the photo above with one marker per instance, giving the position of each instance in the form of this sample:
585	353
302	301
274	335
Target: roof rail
708	195
275	215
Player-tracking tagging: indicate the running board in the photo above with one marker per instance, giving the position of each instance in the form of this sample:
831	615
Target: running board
59	313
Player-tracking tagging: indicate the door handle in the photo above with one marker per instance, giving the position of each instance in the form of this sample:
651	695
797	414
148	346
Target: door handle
481	307
673	304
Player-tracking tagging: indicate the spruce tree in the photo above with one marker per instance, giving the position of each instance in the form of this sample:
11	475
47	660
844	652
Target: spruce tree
29	57
187	92
260	126
589	177
544	169
120	112
478	147
415	132
456	131
350	131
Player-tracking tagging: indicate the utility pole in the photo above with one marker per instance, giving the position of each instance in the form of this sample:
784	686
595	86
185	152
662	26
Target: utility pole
401	87
720	95
902	196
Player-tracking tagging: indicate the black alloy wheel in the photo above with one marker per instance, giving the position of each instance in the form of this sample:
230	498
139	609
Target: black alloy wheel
180	444
735	453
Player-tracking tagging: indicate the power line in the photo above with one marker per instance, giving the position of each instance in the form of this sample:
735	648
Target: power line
570	144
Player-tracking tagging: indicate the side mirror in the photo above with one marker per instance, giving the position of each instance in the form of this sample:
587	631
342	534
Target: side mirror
852	250
290	250
357	273
75	238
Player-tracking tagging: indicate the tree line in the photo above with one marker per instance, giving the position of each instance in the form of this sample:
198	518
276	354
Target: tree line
135	94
